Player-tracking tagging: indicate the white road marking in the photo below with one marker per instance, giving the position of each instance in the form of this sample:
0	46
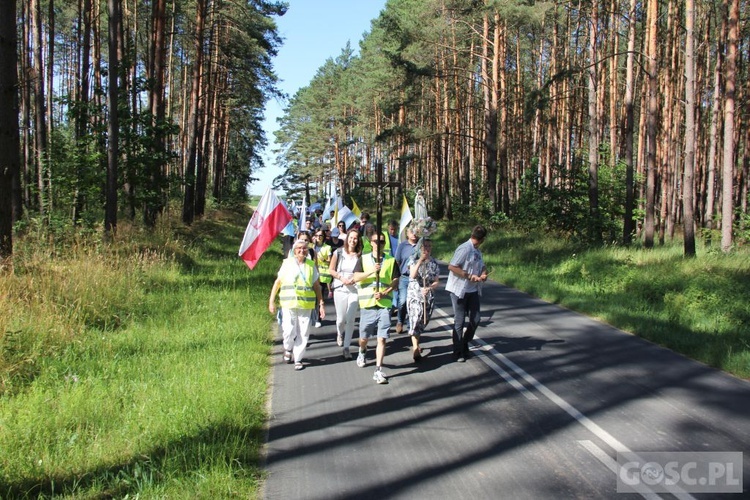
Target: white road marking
610	464
497	368
579	417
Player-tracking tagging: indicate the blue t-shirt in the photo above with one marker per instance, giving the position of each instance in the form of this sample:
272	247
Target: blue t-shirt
403	252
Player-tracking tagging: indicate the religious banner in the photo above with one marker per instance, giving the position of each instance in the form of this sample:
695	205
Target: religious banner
406	218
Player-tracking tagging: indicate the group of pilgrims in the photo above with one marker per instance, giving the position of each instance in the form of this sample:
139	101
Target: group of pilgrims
370	275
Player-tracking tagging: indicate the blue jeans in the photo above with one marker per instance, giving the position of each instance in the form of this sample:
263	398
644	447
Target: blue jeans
469	305
403	289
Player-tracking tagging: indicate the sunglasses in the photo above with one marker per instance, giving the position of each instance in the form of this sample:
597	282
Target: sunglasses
377	241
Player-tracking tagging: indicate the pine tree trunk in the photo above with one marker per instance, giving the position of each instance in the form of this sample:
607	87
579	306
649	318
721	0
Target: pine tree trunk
210	69
25	181
593	139
114	44
727	192
157	62
501	31
613	79
50	94
628	223
9	133
688	185
128	40
490	107
710	184
82	118
652	66
40	126
188	205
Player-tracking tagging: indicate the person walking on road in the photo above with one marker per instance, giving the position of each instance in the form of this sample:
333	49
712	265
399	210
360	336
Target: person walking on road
343	263
322	259
393	238
403	252
377	275
298	286
467	272
424	275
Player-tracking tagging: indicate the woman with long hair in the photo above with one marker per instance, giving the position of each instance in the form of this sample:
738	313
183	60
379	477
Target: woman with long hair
343	262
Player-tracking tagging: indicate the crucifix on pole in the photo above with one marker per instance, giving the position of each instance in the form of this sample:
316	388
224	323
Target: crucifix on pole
379	184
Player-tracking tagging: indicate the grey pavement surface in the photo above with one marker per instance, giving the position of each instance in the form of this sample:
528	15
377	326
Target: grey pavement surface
539	411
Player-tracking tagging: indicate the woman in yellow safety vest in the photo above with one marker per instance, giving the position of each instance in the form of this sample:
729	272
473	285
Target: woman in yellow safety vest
323	259
298	286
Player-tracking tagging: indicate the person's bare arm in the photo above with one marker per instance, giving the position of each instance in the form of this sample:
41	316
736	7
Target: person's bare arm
272	297
458	271
319	299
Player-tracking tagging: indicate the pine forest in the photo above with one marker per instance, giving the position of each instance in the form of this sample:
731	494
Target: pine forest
611	120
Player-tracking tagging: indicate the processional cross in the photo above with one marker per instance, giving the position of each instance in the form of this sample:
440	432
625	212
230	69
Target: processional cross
379	184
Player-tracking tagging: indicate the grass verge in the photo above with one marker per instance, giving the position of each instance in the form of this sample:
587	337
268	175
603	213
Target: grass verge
137	369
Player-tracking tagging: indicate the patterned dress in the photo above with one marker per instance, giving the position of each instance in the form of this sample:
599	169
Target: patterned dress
415	301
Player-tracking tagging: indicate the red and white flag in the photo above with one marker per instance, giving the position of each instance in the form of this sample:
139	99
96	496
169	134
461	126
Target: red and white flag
267	221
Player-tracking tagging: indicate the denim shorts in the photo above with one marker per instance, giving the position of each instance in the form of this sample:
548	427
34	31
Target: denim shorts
374	322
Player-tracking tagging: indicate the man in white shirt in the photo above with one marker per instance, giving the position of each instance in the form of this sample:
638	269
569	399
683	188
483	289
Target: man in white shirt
466	274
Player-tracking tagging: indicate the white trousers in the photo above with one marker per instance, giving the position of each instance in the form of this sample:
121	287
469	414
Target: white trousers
295	330
347	308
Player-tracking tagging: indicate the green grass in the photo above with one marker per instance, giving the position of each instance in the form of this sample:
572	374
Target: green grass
699	307
137	376
140	369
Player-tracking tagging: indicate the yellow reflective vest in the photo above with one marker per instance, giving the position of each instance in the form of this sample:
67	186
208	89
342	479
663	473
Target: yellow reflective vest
367	287
324	259
297	290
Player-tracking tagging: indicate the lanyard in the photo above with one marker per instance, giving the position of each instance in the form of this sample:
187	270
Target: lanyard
302	274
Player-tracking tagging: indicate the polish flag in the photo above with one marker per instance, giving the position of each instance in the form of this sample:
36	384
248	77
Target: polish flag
267	221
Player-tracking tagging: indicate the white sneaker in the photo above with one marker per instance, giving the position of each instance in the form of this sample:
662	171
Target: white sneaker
318	324
339	340
347	354
380	377
361	359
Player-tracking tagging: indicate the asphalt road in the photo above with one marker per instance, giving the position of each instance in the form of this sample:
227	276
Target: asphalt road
540	411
